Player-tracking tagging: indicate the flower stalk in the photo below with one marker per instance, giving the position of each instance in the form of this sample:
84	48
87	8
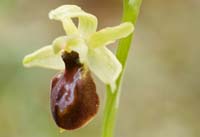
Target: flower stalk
130	13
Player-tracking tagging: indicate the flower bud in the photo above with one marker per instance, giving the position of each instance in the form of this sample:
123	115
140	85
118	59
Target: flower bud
74	100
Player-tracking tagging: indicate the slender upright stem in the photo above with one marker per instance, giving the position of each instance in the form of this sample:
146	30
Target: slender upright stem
130	13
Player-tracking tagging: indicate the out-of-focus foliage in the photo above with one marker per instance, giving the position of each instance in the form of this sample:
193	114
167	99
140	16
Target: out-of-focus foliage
161	91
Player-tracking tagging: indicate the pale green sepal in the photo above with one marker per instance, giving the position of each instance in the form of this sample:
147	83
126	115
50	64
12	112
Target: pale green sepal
110	35
103	63
87	25
45	58
87	22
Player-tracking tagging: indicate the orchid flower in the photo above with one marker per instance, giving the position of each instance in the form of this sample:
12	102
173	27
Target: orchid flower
84	39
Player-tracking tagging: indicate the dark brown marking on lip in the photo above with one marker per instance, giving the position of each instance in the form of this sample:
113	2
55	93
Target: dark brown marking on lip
74	100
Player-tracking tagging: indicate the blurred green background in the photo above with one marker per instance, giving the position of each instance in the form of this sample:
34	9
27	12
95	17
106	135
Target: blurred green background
161	88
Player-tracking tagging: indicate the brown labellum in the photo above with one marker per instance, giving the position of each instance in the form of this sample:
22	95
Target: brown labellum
74	100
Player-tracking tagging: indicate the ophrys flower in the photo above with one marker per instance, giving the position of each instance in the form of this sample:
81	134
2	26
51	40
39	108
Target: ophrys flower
89	46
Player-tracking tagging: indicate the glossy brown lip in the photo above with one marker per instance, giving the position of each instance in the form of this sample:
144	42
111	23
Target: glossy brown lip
74	100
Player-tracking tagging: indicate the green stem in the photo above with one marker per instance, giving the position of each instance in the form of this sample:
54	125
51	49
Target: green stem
130	13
